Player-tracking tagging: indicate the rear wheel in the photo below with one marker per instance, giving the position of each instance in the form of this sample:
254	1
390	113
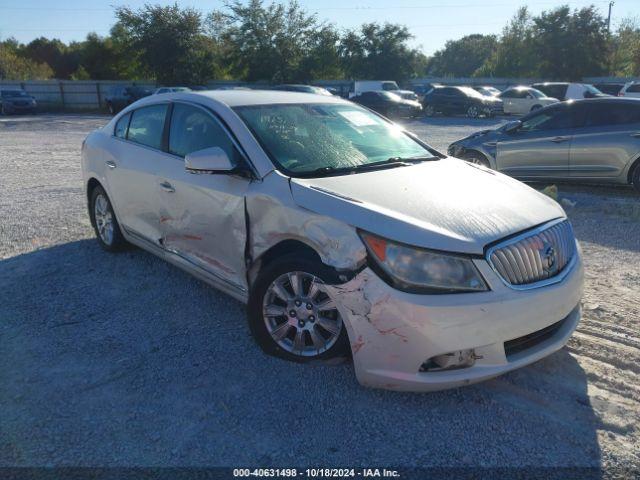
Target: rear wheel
104	221
429	111
290	313
473	112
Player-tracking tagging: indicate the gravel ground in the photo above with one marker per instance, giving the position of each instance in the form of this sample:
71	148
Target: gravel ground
123	360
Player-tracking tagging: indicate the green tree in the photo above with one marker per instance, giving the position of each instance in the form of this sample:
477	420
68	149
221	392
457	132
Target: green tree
267	42
570	45
625	49
463	57
513	56
166	42
380	51
16	67
62	59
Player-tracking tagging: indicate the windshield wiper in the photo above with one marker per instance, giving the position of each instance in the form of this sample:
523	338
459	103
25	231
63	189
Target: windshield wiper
388	163
416	159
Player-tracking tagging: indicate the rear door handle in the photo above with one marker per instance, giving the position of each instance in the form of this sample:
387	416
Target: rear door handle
559	139
167	187
110	164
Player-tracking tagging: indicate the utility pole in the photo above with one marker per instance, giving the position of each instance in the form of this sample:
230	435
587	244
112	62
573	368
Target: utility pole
611	4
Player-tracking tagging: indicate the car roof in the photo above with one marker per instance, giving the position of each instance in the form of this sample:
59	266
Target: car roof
237	98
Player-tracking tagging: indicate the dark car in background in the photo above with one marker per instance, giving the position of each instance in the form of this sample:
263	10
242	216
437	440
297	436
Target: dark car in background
14	100
460	100
594	140
609	88
122	96
388	104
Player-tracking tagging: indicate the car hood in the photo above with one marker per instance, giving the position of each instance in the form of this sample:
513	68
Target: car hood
447	204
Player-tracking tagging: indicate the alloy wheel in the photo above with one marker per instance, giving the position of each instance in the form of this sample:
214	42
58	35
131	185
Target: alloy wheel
300	317
473	112
104	219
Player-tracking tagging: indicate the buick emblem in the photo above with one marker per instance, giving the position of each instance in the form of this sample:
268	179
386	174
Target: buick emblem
548	256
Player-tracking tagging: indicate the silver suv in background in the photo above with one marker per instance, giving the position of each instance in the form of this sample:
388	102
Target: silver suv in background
586	140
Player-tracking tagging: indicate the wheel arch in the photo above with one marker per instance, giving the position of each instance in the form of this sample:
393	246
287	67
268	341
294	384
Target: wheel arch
634	164
92	183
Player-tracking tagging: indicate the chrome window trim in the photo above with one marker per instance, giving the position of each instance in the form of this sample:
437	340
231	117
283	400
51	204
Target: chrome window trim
526	234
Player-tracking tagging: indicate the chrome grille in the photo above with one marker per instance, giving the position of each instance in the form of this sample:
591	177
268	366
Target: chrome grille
534	256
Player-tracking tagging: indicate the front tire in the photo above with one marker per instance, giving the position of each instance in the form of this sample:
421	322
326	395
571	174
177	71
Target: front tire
429	110
290	314
104	221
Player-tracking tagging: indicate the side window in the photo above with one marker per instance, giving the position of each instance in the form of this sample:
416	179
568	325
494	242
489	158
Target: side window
147	124
122	125
507	94
634	88
549	119
604	114
193	129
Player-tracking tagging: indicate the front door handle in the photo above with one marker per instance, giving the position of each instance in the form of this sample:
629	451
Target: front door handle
167	187
559	139
110	164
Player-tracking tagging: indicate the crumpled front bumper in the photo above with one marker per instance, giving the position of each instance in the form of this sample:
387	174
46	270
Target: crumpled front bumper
393	333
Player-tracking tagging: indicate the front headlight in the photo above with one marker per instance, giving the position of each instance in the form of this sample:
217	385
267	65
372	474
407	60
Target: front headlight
417	270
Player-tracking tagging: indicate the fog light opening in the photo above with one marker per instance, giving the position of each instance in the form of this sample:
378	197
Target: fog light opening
450	361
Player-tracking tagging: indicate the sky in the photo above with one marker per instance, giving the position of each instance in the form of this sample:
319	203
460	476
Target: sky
432	22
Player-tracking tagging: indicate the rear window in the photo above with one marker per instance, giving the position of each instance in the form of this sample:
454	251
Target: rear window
147	124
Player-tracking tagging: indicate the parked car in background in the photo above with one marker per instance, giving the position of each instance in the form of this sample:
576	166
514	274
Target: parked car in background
521	100
586	140
121	96
15	100
609	88
342	232
302	89
406	94
631	89
465	100
388	104
170	90
488	91
568	91
422	90
360	86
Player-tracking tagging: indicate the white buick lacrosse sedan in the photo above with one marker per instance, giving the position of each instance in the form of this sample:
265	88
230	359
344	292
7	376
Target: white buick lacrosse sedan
342	232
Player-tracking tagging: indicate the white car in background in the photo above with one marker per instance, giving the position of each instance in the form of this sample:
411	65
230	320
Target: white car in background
569	91
162	90
522	100
341	231
631	89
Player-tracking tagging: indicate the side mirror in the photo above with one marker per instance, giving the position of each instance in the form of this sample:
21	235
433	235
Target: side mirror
209	160
511	127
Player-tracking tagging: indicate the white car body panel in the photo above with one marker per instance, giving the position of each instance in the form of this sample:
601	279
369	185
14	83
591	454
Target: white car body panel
442	205
217	227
